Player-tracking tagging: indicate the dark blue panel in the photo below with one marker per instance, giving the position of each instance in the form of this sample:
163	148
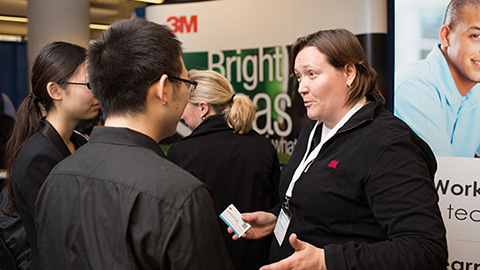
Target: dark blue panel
14	70
140	12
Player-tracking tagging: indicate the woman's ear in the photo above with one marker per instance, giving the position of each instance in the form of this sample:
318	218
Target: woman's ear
204	108
350	73
55	91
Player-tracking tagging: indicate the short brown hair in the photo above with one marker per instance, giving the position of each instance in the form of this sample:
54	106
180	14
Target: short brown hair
341	48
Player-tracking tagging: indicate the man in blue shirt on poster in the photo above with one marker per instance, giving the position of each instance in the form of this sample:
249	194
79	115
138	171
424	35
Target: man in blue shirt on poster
439	97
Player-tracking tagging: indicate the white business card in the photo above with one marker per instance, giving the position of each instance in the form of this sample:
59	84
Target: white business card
233	218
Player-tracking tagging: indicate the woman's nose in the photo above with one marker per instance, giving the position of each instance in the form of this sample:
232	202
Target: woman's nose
303	87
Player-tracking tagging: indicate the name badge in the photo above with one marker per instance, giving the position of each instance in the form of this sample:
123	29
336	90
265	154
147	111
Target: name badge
283	221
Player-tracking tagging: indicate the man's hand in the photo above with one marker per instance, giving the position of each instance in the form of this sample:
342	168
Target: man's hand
305	257
262	224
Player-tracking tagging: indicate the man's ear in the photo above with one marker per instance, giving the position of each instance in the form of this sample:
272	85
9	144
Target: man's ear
351	73
54	91
162	89
444	35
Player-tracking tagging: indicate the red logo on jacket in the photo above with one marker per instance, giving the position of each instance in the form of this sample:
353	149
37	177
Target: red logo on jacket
333	164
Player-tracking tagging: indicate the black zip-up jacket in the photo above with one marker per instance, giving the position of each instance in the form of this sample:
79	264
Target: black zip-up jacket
368	198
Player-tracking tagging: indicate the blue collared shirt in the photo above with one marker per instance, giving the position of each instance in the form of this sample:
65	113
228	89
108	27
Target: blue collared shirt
427	99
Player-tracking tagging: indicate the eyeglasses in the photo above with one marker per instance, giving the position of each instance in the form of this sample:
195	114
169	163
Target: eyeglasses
192	85
80	83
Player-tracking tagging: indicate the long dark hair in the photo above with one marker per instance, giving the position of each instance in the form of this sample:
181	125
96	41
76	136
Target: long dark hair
56	62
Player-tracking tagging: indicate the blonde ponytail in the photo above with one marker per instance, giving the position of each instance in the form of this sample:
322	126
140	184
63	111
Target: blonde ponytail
240	114
214	89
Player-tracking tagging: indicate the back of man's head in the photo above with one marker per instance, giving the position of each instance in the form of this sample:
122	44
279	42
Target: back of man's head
123	64
453	14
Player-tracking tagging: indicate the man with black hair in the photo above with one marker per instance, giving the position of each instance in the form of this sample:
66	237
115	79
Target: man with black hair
439	97
117	203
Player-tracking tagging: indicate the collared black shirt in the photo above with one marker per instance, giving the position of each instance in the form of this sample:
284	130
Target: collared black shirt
117	203
35	160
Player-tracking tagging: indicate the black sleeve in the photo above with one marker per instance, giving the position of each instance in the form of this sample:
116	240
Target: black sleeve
195	241
6	124
274	185
7	261
34	176
402	197
274	179
274	182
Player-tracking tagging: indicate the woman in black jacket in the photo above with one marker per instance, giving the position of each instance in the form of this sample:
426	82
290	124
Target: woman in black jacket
239	165
43	134
361	196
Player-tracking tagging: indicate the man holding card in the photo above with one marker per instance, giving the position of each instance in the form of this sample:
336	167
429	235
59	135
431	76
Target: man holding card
358	190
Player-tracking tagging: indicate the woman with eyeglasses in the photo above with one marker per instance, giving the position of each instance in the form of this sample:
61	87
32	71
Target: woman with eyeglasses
239	165
44	134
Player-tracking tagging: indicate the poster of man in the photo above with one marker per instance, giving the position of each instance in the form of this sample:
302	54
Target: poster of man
439	96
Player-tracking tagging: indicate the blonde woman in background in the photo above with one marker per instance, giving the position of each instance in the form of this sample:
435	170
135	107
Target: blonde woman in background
239	165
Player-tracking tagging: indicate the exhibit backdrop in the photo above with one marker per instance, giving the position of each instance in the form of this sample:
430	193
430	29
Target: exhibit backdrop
417	25
248	42
458	186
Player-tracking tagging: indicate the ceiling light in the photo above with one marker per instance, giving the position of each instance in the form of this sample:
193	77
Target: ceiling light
11	38
96	26
13	19
151	1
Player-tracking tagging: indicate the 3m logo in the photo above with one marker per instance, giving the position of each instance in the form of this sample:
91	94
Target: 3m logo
183	24
333	164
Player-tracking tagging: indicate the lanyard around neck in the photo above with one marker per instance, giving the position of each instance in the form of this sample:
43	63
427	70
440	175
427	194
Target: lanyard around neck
308	159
